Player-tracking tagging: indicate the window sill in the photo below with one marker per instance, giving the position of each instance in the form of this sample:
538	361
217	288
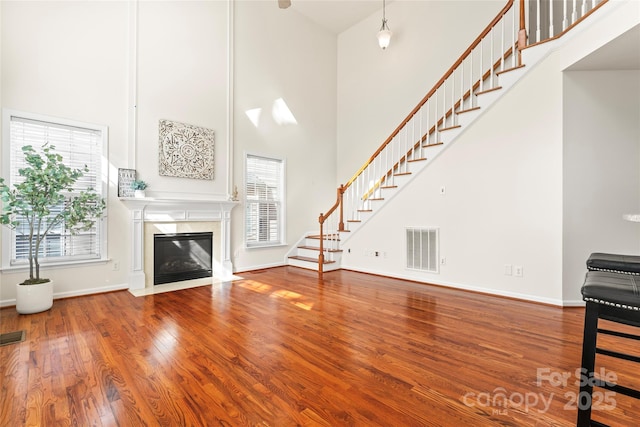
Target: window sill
55	265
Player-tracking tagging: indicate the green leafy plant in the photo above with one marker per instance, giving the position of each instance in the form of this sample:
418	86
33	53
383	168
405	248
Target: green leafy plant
47	183
138	184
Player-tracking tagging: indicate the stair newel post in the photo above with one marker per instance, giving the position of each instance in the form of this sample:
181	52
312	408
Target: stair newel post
321	256
522	34
340	197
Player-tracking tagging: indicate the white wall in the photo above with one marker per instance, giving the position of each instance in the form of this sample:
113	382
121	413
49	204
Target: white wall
182	76
601	174
377	89
281	54
69	60
504	186
83	60
502	205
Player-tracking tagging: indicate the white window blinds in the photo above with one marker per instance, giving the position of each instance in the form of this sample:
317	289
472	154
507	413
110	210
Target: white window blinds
78	146
264	195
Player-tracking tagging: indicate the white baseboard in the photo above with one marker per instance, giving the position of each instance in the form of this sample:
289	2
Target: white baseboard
466	287
258	267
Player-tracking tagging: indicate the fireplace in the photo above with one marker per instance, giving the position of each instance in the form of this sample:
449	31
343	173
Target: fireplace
150	216
182	256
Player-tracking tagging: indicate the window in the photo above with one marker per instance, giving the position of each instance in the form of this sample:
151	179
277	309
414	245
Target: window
79	144
264	198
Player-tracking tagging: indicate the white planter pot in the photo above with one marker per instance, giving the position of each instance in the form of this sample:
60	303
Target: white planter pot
34	298
139	194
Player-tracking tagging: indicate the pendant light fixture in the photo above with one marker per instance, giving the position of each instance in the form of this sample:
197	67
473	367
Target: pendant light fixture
384	35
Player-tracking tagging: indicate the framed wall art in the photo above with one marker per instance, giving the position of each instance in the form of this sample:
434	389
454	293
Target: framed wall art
125	178
185	151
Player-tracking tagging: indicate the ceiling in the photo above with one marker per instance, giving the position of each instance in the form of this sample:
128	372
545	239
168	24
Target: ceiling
337	15
622	53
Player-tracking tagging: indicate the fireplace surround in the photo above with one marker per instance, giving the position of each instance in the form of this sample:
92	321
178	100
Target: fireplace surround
177	216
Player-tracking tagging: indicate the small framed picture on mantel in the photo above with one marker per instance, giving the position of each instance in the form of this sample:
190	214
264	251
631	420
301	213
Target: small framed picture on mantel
125	179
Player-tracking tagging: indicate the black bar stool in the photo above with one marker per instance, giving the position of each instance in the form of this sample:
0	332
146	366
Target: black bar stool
614	297
615	263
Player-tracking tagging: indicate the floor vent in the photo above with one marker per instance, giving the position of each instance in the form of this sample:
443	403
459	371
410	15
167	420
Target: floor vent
11	337
422	249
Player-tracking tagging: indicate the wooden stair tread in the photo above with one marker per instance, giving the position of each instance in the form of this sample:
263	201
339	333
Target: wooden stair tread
510	69
432	145
489	90
354	220
376	198
402	173
468	110
389	187
418	160
450	128
309	259
313	248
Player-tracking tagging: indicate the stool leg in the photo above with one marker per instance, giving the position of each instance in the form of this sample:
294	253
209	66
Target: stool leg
588	363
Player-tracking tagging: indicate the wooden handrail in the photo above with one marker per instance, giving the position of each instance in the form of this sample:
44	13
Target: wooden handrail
462	57
323	217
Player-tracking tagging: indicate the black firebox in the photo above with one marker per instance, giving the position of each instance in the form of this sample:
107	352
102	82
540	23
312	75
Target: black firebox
182	256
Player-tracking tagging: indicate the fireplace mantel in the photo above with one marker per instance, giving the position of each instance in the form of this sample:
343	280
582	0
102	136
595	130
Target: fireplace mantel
177	210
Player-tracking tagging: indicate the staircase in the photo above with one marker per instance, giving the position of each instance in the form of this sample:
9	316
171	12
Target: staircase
493	63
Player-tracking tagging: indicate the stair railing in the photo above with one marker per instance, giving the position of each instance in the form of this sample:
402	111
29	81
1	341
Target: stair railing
497	49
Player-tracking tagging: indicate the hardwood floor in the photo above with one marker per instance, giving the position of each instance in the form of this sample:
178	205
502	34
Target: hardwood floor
280	348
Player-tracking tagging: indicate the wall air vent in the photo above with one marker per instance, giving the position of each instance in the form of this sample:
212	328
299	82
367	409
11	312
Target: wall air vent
422	249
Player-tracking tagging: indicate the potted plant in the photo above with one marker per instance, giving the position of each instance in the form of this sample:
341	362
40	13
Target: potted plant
139	186
46	184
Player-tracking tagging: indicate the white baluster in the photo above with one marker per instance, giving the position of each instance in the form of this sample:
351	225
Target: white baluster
551	30
453	99
481	67
471	95
584	7
491	59
514	30
502	51
574	13
427	127
421	150
538	21
435	123
462	86
565	15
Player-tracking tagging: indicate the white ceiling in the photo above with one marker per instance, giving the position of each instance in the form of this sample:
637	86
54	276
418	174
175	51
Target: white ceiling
622	53
336	15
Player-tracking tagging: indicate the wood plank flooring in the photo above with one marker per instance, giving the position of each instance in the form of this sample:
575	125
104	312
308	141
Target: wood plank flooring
280	348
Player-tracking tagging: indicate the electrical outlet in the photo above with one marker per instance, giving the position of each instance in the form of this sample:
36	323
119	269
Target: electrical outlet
116	266
517	271
443	190
443	261
508	269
